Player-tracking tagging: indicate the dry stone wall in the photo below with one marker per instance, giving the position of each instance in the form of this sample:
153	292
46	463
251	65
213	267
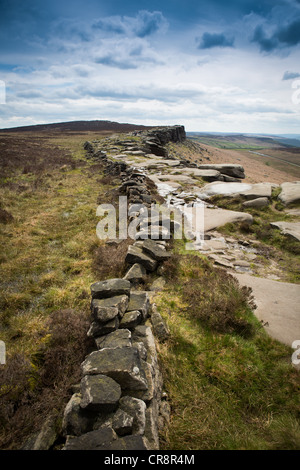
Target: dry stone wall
120	403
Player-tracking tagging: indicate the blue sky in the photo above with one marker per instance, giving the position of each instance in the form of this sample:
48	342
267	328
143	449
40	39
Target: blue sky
208	64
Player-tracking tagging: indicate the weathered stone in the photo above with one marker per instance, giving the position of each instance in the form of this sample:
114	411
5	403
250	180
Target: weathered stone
290	193
290	229
139	345
122	423
160	328
99	393
258	202
99	329
136	273
131	319
100	439
155	251
45	438
137	409
151	429
220	261
116	339
104	310
129	443
136	255
121	364
110	288
139	301
237	171
158	284
76	421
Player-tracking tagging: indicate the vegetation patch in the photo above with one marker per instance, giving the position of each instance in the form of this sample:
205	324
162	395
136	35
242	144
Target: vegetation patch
229	384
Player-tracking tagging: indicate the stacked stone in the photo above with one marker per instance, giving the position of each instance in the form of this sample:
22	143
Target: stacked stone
118	405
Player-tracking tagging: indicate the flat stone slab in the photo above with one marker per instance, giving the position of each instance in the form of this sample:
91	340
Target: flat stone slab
94	440
133	442
210	175
110	288
155	251
121	364
205	219
277	306
291	229
116	339
99	329
176	178
131	319
99	393
237	171
290	193
249	191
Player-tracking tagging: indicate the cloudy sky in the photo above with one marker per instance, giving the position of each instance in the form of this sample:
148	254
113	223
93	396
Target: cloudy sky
212	65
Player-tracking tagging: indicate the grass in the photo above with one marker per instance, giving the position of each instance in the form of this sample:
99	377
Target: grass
274	246
227	389
48	193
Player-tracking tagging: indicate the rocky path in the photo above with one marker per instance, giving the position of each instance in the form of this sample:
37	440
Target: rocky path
183	182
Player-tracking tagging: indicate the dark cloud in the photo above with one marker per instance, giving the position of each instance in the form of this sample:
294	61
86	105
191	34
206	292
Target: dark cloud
290	34
265	44
143	24
290	75
209	40
284	36
149	23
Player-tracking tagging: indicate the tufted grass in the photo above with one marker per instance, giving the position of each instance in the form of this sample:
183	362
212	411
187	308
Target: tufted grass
46	267
227	390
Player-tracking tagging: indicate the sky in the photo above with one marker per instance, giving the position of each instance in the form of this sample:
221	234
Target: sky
210	65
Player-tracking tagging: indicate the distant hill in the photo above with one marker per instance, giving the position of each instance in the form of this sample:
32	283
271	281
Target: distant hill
79	126
243	141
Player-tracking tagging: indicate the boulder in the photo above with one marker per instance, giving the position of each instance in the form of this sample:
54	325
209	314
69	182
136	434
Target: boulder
237	171
110	288
290	193
99	393
121	364
258	203
290	229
